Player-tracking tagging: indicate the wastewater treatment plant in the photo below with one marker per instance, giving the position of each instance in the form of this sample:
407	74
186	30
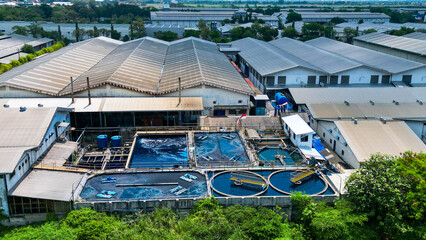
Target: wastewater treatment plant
177	168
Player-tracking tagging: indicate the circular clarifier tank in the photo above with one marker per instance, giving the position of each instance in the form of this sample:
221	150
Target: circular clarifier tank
239	183
280	181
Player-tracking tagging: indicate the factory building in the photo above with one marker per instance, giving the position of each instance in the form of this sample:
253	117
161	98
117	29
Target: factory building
286	62
151	29
352	17
191	18
404	47
26	135
10	46
189	77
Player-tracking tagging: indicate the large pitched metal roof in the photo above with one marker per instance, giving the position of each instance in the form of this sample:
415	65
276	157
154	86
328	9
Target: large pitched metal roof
370	137
328	62
153	66
50	74
414	46
358	95
368	57
267	59
368	110
345	15
416	35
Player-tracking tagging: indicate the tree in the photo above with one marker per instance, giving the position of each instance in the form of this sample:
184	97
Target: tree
289	32
96	32
361	21
191	33
27	48
166	36
59	33
204	29
114	33
402	31
20	30
236	33
312	30
391	191
293	17
35	30
370	30
76	33
350	33
337	20
137	29
214	34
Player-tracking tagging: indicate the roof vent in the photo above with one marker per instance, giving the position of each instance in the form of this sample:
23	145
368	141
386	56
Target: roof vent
40	105
383	120
347	103
419	101
396	102
355	121
365	117
22	109
372	102
6	105
339	117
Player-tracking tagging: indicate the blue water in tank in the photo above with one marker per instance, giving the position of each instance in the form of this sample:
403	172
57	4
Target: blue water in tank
102	141
116	141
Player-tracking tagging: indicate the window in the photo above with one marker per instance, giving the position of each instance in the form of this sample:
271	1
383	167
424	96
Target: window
343	153
240	101
323	134
232	111
312	80
282	80
323	79
374	79
19	168
345	80
270	81
331	141
294	136
304	138
214	102
385	79
334	80
406	79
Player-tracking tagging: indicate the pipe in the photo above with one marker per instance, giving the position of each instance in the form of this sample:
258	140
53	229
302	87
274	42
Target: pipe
72	91
88	91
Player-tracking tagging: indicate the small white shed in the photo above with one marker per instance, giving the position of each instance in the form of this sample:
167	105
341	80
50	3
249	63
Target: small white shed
300	133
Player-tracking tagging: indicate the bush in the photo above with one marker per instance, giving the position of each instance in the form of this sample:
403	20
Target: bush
15	63
30	57
28	49
23	60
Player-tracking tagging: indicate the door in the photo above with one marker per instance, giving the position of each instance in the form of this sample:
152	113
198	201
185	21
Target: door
334	145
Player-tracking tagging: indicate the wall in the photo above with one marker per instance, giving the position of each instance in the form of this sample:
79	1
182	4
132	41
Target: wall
395	52
344	152
11	92
419	128
3	195
418	75
297	139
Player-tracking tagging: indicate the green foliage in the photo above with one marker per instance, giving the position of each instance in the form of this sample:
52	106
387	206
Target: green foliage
27	48
293	17
23	60
289	32
371	30
391	190
337	20
137	29
402	31
15	63
191	33
350	33
312	30
166	36
204	29
214	34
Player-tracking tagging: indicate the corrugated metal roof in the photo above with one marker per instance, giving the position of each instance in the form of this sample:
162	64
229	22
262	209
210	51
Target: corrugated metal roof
370	137
24	129
50	74
358	95
116	104
268	59
410	45
345	15
9	158
416	35
297	124
153	66
368	57
362	110
380	27
328	62
46	184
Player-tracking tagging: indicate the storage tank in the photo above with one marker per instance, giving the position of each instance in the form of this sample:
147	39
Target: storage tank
116	141
280	99
102	141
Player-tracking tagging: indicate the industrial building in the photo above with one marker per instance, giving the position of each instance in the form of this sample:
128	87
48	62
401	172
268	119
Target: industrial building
144	68
355	17
355	141
191	18
404	47
150	29
26	134
286	62
10	46
379	27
